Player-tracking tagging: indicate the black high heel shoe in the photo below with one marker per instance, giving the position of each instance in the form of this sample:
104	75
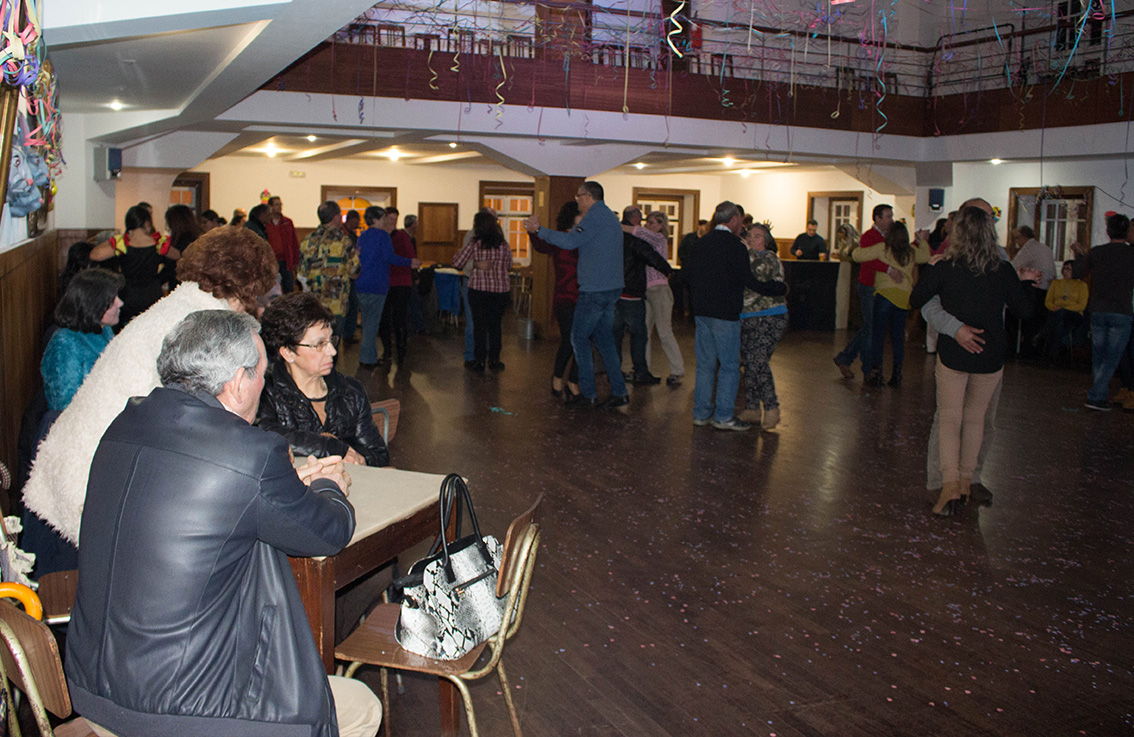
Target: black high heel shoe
948	510
567	393
556	392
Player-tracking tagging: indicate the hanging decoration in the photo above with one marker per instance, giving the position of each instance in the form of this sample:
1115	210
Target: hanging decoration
734	42
31	152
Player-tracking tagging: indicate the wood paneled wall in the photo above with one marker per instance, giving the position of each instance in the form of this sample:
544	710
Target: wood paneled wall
27	297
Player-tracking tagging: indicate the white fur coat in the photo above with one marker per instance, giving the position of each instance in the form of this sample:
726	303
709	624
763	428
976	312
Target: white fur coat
127	368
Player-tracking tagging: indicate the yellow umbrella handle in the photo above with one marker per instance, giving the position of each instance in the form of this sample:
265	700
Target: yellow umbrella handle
26	596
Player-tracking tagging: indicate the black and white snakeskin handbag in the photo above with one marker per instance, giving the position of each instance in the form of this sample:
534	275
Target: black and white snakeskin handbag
449	603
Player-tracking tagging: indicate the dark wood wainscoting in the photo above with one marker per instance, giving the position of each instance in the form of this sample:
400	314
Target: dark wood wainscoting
27	296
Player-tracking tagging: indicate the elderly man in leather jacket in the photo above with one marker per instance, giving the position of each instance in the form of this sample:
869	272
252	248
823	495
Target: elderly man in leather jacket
187	619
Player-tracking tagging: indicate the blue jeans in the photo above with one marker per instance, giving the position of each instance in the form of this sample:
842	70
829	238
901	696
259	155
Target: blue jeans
860	343
1110	332
716	341
371	307
470	344
594	321
887	317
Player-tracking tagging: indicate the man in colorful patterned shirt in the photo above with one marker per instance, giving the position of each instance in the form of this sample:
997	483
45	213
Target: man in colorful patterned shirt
328	261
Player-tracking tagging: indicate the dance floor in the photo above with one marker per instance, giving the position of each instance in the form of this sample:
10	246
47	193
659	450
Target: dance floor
699	582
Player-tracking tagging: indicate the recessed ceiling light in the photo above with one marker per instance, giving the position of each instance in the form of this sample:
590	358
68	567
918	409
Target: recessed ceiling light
116	105
728	161
996	162
394	154
639	166
271	149
452	145
745	173
312	139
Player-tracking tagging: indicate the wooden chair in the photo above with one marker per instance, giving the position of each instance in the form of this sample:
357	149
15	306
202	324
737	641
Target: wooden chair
374	643
389	409
57	592
30	660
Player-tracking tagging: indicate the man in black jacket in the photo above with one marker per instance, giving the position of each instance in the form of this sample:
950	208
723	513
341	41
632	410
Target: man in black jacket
718	274
630	312
188	621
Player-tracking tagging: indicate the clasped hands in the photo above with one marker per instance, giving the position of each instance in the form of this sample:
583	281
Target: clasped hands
531	223
331	467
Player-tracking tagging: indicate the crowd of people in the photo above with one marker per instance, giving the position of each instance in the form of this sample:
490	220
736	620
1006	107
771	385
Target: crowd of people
221	327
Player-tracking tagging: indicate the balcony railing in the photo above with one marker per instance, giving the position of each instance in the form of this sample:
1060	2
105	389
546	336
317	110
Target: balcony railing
984	59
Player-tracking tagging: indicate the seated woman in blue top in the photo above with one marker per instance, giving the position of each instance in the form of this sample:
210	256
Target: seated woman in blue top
319	411
86	315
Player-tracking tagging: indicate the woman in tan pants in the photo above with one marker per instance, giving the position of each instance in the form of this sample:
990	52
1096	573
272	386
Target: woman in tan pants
974	285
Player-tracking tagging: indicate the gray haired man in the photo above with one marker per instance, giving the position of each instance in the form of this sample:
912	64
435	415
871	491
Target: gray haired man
188	620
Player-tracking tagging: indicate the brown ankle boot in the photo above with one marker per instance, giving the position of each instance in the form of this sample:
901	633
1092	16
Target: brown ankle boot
950	491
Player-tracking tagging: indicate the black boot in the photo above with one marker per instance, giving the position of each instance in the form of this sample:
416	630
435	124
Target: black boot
895	378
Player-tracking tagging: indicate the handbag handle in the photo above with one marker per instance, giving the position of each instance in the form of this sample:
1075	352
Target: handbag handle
454	490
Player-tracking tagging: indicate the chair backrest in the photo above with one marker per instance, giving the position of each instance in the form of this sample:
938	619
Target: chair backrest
511	557
389	409
31	660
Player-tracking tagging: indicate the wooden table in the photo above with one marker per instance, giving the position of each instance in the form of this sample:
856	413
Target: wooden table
394	510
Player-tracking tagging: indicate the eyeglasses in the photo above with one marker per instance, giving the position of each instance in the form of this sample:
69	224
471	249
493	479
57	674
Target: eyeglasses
322	345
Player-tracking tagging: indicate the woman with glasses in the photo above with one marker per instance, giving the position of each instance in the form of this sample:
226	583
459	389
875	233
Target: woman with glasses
319	411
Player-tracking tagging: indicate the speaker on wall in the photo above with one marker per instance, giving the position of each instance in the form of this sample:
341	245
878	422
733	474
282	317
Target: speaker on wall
107	163
936	199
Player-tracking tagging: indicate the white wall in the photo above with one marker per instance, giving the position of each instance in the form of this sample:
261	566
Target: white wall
237	181
781	196
992	182
81	202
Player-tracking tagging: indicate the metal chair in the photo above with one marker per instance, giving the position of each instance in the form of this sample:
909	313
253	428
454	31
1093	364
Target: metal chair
389	409
31	662
374	643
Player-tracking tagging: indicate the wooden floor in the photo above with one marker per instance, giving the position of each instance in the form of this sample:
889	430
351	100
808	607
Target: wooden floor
698	582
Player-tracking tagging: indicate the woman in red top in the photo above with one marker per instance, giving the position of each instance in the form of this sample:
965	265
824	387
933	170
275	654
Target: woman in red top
488	287
566	296
144	256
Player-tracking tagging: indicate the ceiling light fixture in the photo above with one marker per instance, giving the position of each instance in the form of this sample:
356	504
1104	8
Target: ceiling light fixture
452	145
996	162
271	150
394	154
745	173
116	105
312	139
728	161
639	166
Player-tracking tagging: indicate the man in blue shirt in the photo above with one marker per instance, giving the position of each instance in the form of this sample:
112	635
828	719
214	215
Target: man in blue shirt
598	238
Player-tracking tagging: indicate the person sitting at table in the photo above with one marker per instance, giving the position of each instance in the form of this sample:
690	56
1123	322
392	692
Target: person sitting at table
226	268
319	411
86	315
1065	301
188	621
84	321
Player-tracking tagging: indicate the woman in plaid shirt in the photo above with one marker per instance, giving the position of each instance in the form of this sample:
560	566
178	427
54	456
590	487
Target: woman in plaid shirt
488	287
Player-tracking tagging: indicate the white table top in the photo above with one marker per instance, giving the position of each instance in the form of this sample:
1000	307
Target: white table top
384	496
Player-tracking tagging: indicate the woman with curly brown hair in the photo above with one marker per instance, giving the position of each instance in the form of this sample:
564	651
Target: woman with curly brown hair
226	268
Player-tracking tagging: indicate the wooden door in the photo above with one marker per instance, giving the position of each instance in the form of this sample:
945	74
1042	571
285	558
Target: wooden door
437	237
